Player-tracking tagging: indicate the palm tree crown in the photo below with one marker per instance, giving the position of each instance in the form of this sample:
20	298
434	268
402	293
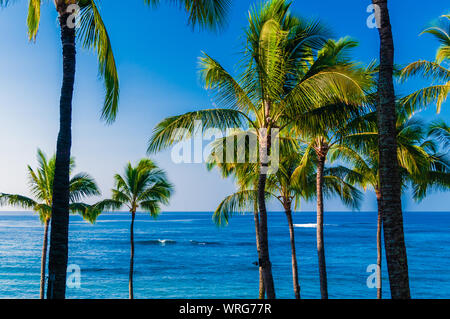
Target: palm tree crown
144	186
41	186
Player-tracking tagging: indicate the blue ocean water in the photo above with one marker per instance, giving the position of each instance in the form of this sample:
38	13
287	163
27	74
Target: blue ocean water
184	255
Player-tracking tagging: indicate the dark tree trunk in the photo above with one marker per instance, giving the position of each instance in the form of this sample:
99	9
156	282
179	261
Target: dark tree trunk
390	185
44	258
320	241
59	234
261	278
264	261
293	253
130	280
379	247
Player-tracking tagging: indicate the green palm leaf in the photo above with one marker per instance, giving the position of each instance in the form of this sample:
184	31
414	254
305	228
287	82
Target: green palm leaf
205	13
178	128
93	35
34	16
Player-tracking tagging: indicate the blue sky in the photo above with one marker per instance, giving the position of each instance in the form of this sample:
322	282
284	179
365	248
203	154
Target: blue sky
157	56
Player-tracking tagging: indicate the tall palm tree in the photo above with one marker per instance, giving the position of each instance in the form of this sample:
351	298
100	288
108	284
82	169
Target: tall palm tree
289	185
437	71
143	186
390	181
240	172
92	34
267	91
41	186
317	152
323	134
421	165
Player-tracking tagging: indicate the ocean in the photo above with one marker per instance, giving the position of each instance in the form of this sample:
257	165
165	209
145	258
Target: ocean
184	255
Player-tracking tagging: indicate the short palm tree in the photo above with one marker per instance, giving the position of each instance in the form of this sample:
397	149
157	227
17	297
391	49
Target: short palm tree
268	90
92	34
420	164
41	186
145	187
437	71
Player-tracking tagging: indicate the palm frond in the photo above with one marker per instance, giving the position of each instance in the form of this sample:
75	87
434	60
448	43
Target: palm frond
426	69
335	184
440	131
17	201
152	206
34	17
426	96
237	203
205	13
107	205
178	128
82	185
227	91
87	212
94	35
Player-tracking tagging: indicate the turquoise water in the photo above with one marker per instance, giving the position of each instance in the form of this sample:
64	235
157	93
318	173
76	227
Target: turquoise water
184	255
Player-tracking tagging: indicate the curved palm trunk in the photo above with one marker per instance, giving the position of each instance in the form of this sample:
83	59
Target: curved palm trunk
261	278
320	241
130	279
44	258
389	173
379	247
293	253
264	261
59	234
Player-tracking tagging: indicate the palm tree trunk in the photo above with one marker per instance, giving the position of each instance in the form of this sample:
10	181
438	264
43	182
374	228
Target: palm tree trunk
379	247
293	253
59	234
44	258
264	261
320	241
130	280
389	173
261	278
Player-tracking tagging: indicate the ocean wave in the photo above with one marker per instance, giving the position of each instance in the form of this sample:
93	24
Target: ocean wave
161	242
311	225
305	225
204	243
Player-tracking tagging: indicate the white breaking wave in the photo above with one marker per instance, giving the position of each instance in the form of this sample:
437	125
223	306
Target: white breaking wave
166	241
305	225
313	225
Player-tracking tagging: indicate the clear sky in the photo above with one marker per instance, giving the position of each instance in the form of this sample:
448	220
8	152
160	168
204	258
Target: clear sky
157	55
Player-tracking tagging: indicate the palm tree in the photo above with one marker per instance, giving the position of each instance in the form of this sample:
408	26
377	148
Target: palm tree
322	135
431	70
269	93
92	34
292	182
316	152
420	164
240	172
390	181
144	186
41	182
